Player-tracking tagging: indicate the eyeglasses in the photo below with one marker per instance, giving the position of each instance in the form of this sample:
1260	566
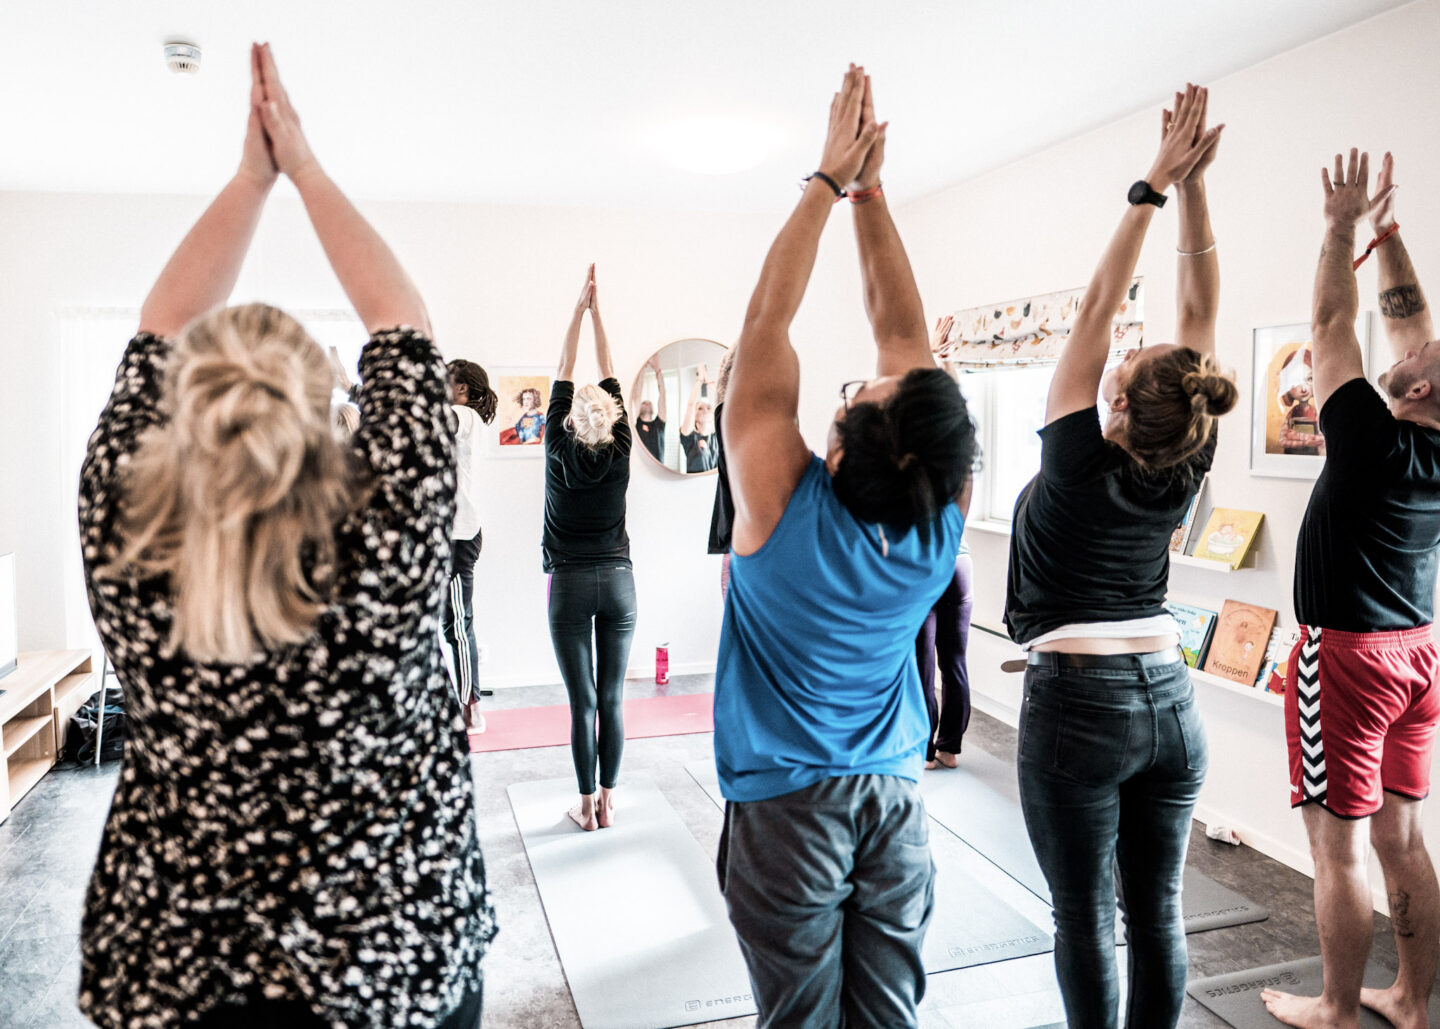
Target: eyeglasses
849	389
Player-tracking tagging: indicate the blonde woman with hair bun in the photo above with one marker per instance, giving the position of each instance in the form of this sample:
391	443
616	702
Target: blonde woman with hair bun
587	553
268	592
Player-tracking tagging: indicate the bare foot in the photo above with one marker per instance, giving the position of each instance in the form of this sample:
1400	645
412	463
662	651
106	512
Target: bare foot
583	813
1306	1012
931	766
605	808
947	759
474	718
1403	1012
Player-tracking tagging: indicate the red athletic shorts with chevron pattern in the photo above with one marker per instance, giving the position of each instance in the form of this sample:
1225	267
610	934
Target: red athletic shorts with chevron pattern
1360	717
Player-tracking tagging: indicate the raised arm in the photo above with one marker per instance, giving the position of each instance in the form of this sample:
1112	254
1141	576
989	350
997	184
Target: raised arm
602	342
1337	299
764	450
1076	382
379	290
892	300
1402	301
687	423
571	346
660	407
203	270
1198	274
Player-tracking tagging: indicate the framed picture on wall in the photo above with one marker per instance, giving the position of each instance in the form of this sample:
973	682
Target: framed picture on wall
1285	437
523	395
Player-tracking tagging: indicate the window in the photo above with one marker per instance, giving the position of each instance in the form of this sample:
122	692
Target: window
1005	357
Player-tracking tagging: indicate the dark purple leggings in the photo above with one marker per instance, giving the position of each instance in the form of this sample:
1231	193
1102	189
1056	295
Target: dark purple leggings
946	632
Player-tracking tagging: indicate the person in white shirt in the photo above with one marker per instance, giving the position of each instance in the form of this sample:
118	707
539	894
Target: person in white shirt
474	402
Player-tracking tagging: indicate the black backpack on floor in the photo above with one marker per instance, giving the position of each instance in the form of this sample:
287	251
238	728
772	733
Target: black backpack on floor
80	739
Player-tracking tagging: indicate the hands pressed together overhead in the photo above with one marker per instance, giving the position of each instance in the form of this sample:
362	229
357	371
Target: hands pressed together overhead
855	143
1187	147
587	300
274	141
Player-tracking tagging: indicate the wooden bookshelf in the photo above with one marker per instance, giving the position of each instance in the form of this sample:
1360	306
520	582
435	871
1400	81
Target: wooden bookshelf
36	702
1201	562
1264	696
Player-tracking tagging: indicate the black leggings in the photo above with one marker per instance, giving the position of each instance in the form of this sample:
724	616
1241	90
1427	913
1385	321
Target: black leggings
598	599
294	1014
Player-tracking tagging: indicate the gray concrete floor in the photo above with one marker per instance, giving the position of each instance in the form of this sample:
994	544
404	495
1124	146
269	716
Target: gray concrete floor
48	845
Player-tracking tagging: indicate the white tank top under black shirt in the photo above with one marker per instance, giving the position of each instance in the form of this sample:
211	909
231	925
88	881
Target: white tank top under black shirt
1091	534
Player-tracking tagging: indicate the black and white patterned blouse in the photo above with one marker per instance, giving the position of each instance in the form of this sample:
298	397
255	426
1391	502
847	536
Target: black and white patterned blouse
302	826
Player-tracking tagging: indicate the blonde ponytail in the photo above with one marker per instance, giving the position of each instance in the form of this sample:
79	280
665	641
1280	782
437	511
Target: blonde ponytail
236	496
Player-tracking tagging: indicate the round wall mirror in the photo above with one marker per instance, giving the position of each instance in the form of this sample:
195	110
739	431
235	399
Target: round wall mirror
672	406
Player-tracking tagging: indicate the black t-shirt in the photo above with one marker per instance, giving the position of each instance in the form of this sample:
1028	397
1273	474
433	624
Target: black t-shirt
722	517
1366	557
701	452
1091	536
652	436
584	488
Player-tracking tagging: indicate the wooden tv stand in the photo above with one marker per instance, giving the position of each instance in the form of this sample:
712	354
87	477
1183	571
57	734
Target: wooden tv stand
36	702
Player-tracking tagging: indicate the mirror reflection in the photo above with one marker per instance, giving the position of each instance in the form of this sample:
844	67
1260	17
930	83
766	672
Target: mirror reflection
673	404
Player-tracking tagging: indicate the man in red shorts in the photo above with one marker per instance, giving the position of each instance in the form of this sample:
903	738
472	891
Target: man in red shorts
1361	718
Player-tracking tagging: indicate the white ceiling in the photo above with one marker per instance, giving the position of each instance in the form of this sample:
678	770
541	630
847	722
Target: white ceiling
553	101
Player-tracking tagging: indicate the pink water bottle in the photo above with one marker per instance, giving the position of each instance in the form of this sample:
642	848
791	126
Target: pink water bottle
662	664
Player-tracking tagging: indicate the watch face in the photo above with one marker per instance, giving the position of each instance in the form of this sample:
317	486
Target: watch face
1139	192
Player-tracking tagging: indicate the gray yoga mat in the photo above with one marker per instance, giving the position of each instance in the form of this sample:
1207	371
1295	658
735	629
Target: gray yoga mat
634	910
971	925
980	803
1236	997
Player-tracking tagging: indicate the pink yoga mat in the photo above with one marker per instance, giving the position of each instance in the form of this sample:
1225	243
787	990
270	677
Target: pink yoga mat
521	728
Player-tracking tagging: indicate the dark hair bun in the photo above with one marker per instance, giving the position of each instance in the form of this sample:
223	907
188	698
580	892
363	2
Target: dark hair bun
905	458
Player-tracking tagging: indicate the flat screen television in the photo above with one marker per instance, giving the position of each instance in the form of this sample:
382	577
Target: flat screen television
9	631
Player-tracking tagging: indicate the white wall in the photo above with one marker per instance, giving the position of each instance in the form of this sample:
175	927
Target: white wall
500	284
1040	225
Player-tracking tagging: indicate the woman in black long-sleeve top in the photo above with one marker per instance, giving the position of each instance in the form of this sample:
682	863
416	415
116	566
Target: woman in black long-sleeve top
587	553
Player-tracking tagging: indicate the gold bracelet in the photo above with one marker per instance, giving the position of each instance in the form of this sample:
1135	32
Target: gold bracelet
1194	253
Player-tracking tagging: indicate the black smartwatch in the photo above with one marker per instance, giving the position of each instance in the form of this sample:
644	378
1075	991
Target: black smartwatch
1141	193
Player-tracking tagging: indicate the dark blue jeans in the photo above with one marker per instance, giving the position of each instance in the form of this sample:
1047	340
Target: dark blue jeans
1112	757
592	621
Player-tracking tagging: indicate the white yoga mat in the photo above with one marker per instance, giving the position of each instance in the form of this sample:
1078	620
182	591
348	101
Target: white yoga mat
635	910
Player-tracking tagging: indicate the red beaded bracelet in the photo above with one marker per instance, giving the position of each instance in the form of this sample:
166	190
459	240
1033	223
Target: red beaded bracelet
1375	243
866	194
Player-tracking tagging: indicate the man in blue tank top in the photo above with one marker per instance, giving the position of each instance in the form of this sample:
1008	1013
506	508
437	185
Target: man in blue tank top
820	723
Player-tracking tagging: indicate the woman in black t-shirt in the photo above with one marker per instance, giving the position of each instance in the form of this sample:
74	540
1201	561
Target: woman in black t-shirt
697	429
1112	753
587	553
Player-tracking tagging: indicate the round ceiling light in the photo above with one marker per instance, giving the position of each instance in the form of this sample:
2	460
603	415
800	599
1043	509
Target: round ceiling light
713	146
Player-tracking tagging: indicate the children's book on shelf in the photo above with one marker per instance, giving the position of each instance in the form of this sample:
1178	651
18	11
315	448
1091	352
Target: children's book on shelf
1227	535
1180	538
1237	649
1197	624
1273	671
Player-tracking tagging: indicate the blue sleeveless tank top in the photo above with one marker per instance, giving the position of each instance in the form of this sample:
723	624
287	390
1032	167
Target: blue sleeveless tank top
817	677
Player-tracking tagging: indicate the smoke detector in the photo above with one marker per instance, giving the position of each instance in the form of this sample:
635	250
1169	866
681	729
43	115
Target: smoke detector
182	58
